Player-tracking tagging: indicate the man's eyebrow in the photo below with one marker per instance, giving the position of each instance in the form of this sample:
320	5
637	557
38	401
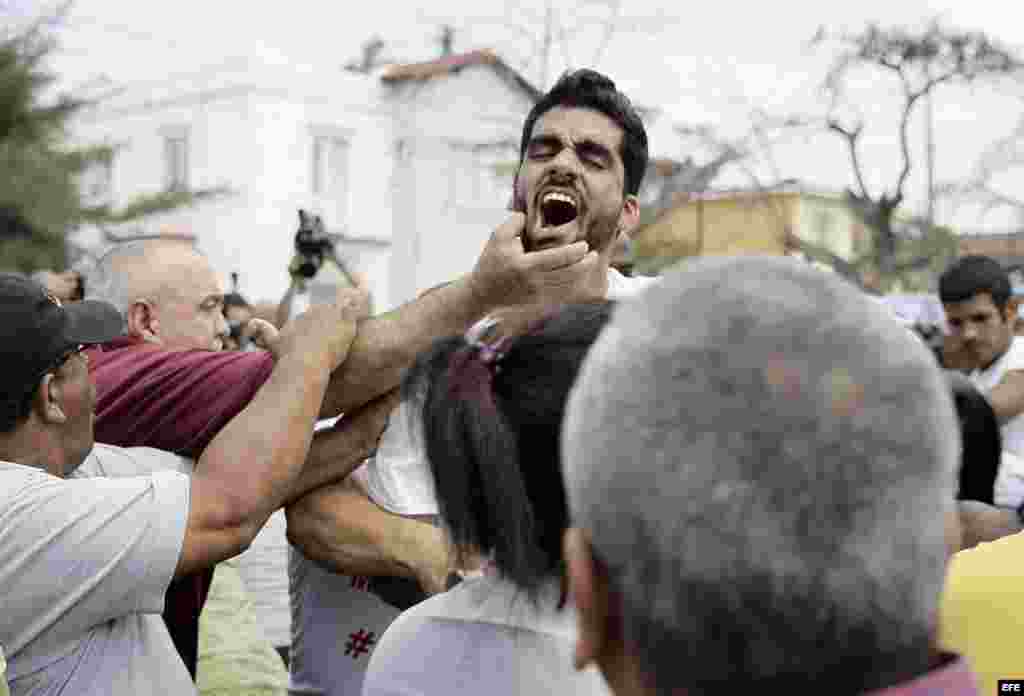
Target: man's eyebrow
593	147
544	139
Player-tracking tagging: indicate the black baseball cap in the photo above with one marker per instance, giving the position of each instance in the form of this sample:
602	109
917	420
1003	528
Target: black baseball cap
36	330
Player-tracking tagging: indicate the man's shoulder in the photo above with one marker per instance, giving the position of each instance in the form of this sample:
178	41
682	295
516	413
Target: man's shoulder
140	355
175	400
116	462
1012	361
18	479
140	363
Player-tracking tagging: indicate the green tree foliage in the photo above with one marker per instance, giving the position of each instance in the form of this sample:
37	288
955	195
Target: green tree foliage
40	197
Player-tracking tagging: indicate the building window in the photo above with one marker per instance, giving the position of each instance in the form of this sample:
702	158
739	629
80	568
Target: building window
176	162
96	183
330	174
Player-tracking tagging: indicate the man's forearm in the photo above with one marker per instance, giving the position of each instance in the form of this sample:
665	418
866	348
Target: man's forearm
504	274
335	453
284	308
342	529
387	344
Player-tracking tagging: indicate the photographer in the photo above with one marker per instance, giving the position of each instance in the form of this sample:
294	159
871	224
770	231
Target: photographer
313	246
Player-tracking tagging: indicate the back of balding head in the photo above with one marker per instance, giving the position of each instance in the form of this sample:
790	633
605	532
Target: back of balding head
139	268
758	433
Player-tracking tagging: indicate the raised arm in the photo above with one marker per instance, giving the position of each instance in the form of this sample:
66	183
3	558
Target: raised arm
342	529
337	451
504	275
250	467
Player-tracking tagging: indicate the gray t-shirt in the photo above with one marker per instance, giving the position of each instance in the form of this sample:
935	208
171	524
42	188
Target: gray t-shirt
84	564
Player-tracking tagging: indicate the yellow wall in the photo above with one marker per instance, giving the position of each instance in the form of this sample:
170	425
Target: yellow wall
829	223
726	226
749	224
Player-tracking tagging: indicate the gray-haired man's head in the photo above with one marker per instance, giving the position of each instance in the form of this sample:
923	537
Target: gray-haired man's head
167	291
763	462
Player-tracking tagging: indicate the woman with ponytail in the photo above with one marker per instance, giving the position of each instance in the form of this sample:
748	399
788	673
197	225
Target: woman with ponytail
490	406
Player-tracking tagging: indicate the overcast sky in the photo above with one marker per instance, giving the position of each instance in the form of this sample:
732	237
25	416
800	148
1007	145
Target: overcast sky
700	62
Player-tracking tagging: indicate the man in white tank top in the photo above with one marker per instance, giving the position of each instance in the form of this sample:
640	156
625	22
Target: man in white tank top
583	155
981	312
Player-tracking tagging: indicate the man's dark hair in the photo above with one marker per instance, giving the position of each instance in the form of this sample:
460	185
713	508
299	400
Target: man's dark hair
491	435
15	410
588	89
975	275
981	442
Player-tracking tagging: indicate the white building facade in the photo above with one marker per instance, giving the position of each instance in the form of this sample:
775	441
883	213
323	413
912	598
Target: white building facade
410	164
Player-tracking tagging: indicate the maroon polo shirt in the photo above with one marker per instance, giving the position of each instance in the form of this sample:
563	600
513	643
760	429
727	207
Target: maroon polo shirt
176	401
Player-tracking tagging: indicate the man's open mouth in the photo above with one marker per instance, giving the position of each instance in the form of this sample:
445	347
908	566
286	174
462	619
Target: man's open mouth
557	209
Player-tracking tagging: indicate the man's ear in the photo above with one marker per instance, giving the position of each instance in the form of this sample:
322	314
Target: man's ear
142	321
49	400
630	216
589	591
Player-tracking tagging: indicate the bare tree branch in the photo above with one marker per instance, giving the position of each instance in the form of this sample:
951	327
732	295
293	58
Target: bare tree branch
922	61
609	30
1004	155
851	136
908	108
554	32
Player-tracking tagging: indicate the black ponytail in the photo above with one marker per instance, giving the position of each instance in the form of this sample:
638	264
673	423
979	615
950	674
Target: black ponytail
491	423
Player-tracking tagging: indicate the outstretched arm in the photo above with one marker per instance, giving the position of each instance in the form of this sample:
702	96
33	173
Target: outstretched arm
504	275
342	529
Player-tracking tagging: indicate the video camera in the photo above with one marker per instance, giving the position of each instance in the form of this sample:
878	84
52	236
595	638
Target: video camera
312	245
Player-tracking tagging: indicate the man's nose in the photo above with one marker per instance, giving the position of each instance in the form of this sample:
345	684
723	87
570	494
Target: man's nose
565	163
222	326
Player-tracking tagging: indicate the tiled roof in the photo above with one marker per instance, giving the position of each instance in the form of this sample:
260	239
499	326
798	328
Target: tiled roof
452	64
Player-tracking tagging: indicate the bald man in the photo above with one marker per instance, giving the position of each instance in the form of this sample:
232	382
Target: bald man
167	384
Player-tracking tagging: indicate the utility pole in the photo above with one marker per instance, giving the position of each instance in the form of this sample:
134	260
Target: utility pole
929	135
